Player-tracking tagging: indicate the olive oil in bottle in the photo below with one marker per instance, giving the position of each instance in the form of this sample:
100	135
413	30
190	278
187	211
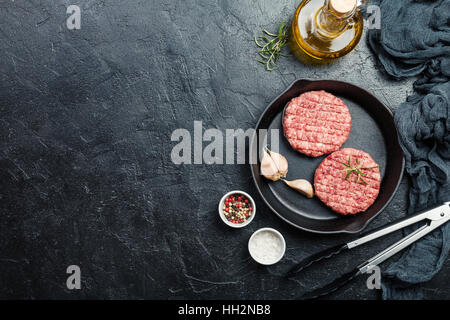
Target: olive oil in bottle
325	30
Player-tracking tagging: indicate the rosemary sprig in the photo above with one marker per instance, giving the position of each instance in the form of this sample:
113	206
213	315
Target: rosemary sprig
271	45
349	169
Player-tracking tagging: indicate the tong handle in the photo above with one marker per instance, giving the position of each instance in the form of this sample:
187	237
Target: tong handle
333	251
428	227
434	218
441	212
428	214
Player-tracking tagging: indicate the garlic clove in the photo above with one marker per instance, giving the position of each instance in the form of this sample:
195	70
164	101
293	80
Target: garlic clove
281	163
302	186
268	167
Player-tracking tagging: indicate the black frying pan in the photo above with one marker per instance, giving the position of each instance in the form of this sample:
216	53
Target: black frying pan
373	131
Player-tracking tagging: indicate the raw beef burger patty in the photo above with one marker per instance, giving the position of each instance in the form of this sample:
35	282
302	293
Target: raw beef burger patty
316	123
347	196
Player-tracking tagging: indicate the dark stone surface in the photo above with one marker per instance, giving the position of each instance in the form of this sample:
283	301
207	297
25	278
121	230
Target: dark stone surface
85	169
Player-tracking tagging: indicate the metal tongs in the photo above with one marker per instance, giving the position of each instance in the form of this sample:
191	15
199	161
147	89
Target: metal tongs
433	218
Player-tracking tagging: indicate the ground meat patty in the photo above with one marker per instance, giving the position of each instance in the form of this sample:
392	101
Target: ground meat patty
316	123
347	196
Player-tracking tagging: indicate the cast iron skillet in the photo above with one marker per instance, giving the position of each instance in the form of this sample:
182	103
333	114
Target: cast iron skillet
373	131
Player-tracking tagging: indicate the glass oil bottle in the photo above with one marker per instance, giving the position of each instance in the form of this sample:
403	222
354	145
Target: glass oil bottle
325	30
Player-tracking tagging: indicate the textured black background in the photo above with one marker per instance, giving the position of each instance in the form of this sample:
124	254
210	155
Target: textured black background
85	172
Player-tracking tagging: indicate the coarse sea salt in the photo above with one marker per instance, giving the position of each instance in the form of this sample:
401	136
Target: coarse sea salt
266	247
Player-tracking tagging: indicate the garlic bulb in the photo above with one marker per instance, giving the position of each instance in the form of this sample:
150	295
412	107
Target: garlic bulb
302	186
273	165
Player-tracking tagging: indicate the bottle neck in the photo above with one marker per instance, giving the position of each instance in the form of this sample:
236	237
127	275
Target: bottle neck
330	23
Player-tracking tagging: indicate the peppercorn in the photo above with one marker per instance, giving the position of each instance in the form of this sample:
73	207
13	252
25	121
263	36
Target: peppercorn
237	208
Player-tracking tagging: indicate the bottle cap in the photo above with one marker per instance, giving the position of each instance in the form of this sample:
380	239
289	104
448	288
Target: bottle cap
343	6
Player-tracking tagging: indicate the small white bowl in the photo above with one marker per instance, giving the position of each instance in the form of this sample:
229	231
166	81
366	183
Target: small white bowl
225	220
278	235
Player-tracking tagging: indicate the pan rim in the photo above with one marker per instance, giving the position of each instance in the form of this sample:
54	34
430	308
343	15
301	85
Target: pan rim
343	231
